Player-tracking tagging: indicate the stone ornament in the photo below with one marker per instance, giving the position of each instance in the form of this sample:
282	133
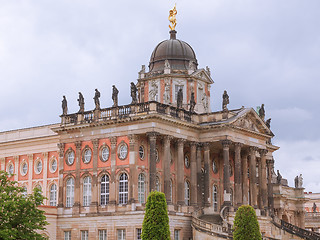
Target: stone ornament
64	106
262	112
268	123
167	64
166	95
81	103
192	66
115	93
96	99
134	90
298	181
153	92
225	100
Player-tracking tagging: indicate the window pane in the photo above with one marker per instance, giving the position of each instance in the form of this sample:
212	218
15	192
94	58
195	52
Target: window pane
103	234
121	234
141	188
123	189
139	232
53	195
67	235
70	192
104	195
176	234
86	191
84	235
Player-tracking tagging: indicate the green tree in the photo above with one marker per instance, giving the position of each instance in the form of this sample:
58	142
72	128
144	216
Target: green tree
19	216
156	221
246	225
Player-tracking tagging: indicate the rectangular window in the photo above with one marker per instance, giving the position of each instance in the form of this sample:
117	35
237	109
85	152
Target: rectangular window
103	234
176	234
139	232
177	88
67	235
85	235
121	234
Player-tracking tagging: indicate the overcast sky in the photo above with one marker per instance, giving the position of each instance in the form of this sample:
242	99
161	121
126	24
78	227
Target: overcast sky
259	51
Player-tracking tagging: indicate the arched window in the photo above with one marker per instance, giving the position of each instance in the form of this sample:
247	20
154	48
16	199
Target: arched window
187	193
87	191
70	192
141	188
104	195
215	198
158	184
53	195
123	188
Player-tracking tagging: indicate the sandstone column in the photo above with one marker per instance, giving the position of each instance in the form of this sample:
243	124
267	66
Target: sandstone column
113	161
206	174
76	205
237	176
94	189
253	177
263	179
180	172
270	164
61	161
166	167
152	160
133	180
226	172
199	176
193	170
245	184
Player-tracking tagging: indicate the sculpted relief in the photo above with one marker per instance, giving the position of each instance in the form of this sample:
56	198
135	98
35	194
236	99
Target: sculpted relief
153	91
247	124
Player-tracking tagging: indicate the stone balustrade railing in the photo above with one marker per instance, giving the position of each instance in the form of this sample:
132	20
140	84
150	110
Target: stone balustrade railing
139	109
290	228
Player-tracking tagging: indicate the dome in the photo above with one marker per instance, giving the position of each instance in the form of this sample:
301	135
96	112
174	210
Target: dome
177	52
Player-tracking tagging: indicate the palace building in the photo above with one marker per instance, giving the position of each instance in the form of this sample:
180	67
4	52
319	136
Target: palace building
97	167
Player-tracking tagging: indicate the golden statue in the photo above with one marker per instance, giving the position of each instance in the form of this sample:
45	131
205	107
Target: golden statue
172	18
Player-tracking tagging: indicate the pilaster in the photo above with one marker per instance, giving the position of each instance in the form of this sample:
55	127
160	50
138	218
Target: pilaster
133	183
152	160
193	170
166	167
45	176
61	147
94	189
199	175
253	177
180	172
245	183
30	172
237	176
270	165
16	167
263	178
76	205
226	172
206	174
113	160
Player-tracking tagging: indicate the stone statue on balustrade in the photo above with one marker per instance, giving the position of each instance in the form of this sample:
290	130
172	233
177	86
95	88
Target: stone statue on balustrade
225	101
192	103
96	99
166	95
296	182
133	93
115	92
300	181
314	208
262	112
279	177
179	98
81	103
64	106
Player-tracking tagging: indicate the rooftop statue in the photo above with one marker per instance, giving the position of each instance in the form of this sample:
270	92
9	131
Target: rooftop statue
81	102
96	99
64	106
314	207
179	98
208	70
300	181
172	18
268	122
262	112
115	92
192	103
279	177
133	93
225	100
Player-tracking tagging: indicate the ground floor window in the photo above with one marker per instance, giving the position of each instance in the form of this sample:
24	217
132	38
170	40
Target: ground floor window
121	234
176	234
103	234
139	233
67	235
85	235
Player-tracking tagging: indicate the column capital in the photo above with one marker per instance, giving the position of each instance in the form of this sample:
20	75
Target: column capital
45	154
253	150
61	147
263	152
78	145
167	138
95	143
192	143
270	162
181	141
226	143
238	144
30	157
152	136
113	141
132	138
205	146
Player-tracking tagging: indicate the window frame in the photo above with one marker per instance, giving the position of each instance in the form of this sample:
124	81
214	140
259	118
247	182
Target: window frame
70	195
52	160
141	188
67	156
123	189
215	198
187	193
103	147
24	163
120	146
86	191
69	235
107	189
36	166
84	234
86	150
102	234
53	195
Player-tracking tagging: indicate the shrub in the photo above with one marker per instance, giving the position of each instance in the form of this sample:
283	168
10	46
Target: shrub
246	224
156	221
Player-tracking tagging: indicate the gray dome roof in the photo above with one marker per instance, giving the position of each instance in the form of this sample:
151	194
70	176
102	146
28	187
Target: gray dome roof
177	52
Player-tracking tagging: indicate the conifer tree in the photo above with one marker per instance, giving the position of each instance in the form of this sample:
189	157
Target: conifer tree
246	225
156	221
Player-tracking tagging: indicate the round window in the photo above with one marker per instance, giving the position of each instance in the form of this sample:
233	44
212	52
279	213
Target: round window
157	156
24	168
10	169
70	157
53	165
104	154
38	166
187	161
141	152
123	151
214	166
87	155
